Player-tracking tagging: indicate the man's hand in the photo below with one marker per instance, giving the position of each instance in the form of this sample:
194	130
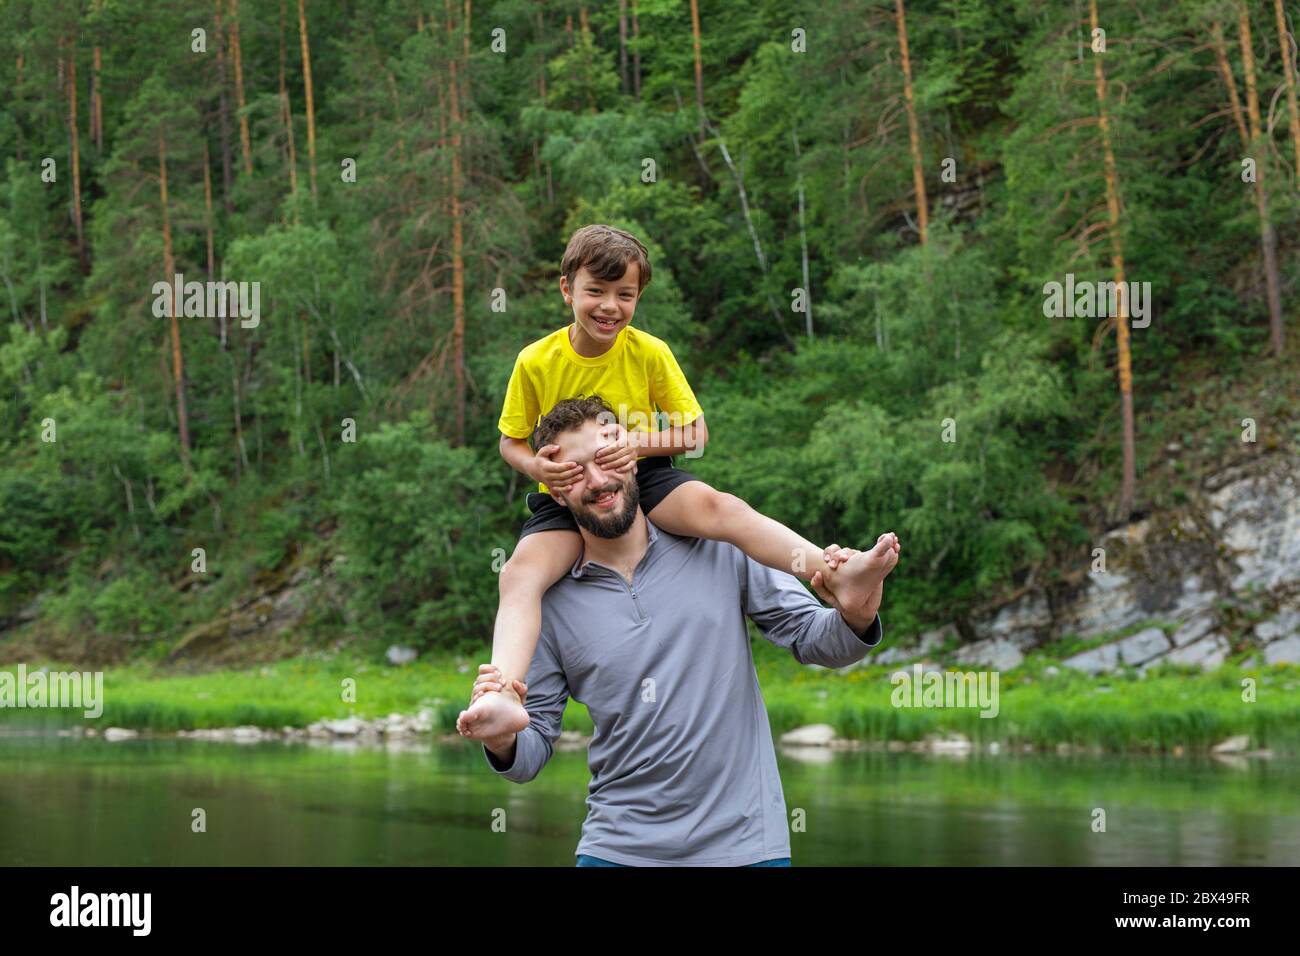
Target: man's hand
859	617
490	679
619	450
555	475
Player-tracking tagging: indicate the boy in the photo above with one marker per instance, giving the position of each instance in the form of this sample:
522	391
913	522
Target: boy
604	270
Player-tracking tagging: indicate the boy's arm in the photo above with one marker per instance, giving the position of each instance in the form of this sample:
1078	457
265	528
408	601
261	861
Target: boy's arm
672	441
518	455
669	390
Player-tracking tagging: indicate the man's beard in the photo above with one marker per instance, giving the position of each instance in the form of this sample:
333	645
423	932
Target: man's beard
609	525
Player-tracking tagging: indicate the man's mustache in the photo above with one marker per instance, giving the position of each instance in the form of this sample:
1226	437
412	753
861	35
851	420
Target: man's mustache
591	496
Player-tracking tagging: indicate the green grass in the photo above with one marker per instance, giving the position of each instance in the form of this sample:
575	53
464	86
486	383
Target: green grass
1121	712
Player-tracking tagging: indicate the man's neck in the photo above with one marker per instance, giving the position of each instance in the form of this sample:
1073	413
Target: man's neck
623	553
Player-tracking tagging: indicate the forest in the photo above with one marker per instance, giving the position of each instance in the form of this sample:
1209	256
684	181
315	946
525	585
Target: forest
962	269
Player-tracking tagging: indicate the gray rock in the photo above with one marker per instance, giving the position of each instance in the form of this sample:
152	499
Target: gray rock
813	735
1193	629
1143	646
1286	624
1232	745
1261	525
120	733
1094	661
932	640
1207	653
348	727
995	654
397	654
1285	651
570	740
1109	604
1020	620
950	744
890	655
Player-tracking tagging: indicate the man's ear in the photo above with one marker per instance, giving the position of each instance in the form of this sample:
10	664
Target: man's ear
559	499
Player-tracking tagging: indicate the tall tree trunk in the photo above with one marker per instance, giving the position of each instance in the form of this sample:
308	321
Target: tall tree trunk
636	54
622	47
541	90
241	459
1267	236
311	109
169	271
699	62
753	235
803	237
286	115
96	97
1288	69
77	219
245	141
18	86
223	108
464	76
457	256
913	135
1225	70
207	219
1128	484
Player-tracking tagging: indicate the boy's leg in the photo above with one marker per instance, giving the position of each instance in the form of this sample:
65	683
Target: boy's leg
540	559
694	509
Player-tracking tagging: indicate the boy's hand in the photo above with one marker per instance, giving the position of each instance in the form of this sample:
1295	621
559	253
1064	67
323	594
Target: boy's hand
619	452
556	475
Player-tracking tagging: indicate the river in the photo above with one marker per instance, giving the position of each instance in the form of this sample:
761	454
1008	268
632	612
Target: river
68	801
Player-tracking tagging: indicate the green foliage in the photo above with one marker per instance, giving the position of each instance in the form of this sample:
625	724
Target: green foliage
840	433
416	529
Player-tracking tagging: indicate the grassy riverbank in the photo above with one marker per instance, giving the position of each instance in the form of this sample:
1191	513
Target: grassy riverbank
1039	704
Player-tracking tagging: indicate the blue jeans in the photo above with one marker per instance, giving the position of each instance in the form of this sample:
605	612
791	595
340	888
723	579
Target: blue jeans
597	861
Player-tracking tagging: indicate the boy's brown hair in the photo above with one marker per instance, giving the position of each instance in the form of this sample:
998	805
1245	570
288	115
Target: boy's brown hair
606	252
570	414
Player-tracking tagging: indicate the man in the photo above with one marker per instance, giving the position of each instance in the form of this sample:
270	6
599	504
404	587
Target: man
648	631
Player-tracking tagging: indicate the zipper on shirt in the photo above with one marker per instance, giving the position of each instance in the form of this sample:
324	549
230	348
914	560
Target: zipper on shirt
629	588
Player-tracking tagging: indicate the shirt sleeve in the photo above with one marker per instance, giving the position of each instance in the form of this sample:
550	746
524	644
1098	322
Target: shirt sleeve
548	692
519	411
670	390
790	617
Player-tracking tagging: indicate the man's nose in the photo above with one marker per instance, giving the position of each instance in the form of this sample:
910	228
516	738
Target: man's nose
596	476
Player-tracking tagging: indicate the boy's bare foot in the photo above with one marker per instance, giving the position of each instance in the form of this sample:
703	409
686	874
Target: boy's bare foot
856	579
493	714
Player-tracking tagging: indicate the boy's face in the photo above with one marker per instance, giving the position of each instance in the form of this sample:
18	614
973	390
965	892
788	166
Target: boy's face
601	308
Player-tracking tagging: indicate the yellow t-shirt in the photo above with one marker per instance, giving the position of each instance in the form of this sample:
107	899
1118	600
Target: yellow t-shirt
637	376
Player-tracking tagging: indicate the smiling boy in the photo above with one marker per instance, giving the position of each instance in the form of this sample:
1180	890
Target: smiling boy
603	273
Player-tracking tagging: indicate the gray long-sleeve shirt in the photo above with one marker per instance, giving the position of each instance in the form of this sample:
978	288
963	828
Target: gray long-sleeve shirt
683	770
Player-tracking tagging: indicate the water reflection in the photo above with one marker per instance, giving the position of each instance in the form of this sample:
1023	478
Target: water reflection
86	801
